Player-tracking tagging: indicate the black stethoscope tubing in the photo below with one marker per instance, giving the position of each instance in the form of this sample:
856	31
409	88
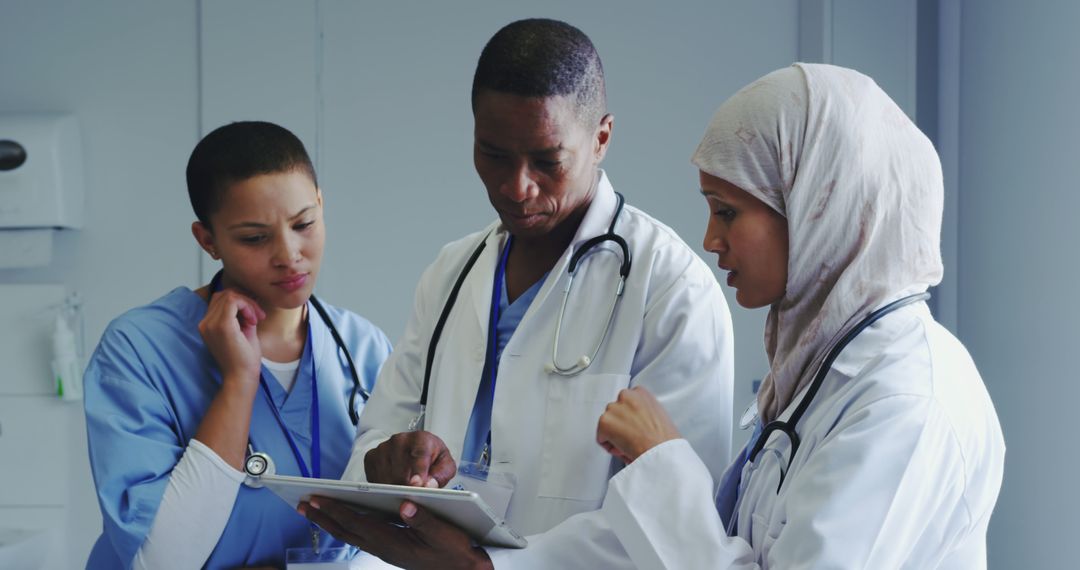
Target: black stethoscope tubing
354	416
624	270
787	427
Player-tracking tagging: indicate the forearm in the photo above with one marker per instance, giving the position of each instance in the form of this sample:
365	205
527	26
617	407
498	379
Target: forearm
194	511
224	428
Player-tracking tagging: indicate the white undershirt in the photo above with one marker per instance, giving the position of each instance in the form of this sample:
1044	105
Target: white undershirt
198	500
285	372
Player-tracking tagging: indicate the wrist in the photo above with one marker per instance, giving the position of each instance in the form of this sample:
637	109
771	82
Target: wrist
654	442
242	385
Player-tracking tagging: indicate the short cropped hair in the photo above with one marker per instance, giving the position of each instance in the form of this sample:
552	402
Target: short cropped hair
543	58
236	152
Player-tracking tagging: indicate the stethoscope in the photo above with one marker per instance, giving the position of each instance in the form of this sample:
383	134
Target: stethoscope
552	367
787	427
354	416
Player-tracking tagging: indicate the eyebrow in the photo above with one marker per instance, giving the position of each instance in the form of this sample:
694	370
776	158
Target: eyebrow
258	225
550	150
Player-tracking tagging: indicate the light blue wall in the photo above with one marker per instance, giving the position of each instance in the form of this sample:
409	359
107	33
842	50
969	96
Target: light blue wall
1018	262
379	90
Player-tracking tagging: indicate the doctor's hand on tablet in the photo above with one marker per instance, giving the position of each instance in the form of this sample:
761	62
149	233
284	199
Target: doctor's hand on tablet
633	424
416	458
426	542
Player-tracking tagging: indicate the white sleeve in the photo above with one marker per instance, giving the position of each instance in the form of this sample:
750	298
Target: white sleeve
194	511
661	507
684	358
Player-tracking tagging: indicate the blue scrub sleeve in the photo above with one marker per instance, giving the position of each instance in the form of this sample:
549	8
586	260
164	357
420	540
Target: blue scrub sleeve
133	445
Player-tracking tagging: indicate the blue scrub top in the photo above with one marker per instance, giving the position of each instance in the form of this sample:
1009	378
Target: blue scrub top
505	320
147	387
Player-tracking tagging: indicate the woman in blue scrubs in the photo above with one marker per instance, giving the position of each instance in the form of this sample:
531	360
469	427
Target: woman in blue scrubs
180	390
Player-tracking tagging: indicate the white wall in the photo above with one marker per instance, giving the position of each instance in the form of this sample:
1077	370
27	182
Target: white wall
379	91
128	72
1018	261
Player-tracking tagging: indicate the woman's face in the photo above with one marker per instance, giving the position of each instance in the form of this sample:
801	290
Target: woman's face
269	235
750	241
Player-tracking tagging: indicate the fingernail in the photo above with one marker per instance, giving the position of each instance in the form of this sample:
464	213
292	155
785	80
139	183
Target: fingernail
415	481
314	504
408	510
432	483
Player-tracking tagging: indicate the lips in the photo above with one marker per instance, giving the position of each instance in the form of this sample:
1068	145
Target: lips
731	273
292	283
524	219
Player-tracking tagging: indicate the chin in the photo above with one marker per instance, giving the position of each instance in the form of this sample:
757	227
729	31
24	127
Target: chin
282	300
747	301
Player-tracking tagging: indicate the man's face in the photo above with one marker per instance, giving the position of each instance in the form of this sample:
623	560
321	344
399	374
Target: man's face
537	160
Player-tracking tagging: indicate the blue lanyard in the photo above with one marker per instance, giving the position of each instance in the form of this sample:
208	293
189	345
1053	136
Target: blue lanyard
316	457
316	448
492	361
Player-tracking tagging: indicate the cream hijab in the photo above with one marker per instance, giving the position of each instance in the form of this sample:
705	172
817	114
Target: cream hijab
862	192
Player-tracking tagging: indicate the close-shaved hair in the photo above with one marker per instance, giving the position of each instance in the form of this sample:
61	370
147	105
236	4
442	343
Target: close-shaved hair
544	58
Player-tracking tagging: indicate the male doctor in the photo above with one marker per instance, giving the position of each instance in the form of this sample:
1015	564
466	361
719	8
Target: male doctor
505	411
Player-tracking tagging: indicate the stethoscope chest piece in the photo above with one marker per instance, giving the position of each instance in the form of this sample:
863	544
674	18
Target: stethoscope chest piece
255	466
750	416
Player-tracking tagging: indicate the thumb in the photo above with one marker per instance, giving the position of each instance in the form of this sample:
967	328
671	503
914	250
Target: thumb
417	518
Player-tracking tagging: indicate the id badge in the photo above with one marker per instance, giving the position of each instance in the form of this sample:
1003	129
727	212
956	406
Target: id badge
494	487
307	558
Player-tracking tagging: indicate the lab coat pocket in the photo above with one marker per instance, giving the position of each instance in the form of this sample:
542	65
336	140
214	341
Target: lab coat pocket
763	533
574	466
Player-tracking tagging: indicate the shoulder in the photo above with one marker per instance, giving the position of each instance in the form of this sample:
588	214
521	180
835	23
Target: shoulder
907	353
177	311
657	247
147	335
355	330
914	356
924	384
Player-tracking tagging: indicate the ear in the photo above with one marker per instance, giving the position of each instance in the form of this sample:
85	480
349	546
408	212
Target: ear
603	136
205	238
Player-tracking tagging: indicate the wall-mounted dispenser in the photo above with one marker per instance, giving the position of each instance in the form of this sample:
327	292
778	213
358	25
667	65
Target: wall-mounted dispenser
41	185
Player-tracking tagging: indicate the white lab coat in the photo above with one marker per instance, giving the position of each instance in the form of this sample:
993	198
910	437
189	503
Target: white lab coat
671	334
899	467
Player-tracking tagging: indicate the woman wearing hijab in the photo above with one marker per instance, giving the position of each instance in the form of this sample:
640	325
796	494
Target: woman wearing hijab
877	445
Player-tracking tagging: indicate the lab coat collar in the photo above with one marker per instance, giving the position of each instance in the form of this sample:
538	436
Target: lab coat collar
598	217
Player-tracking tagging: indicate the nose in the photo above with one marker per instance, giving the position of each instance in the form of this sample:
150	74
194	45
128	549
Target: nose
715	240
519	185
287	250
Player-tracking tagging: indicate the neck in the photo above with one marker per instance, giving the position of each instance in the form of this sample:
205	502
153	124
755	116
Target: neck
281	323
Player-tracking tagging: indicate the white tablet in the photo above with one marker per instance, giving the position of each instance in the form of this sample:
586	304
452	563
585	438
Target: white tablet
464	509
